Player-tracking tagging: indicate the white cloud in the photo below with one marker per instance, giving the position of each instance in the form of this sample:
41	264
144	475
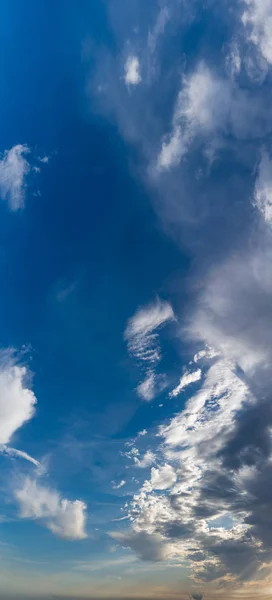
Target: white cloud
263	188
17	401
186	380
132	71
63	517
141	331
258	20
14	169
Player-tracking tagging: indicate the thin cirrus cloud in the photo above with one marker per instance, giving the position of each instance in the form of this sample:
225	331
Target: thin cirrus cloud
64	518
14	169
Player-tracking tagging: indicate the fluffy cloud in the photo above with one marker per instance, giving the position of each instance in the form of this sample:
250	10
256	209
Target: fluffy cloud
186	380
263	188
63	517
17	401
132	71
14	169
258	21
163	477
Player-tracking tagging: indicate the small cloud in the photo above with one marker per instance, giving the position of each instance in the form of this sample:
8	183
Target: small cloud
132	71
44	159
14	169
119	485
143	432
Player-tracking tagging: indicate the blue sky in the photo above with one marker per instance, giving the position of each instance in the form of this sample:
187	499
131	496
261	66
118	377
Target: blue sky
135	306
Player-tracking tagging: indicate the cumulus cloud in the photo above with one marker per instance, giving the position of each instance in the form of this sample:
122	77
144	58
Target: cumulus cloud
132	71
263	188
63	517
186	380
14	169
141	331
17	401
257	18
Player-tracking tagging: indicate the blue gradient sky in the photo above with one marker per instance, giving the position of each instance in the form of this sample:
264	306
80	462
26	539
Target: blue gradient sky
135	305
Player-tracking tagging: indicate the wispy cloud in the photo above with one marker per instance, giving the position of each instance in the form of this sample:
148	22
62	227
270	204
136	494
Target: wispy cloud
63	517
186	380
141	331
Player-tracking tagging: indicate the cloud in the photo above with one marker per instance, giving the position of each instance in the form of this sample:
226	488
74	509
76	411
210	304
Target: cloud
14	453
17	401
146	389
208	108
186	380
144	462
151	386
14	169
147	547
141	331
263	188
258	21
64	518
119	485
163	477
132	71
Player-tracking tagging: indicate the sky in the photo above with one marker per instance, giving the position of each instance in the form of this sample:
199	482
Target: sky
136	295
